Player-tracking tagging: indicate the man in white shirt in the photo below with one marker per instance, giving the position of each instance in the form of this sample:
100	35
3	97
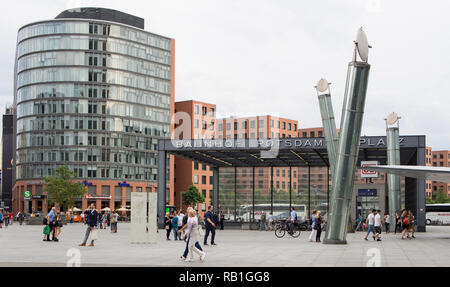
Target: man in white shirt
180	222
370	221
378	225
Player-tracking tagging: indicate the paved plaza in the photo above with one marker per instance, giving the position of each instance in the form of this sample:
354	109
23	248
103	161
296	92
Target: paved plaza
23	246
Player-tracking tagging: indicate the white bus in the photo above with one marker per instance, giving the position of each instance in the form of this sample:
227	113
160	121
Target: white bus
438	213
245	211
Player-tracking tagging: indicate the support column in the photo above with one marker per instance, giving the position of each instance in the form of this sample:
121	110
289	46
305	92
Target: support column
393	158
328	189
309	192
421	194
290	187
162	175
112	193
271	189
253	193
235	196
216	189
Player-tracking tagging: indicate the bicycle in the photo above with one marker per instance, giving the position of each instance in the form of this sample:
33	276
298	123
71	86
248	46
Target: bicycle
282	227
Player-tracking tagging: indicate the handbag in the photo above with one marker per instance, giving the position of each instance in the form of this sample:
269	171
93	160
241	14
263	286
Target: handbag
201	232
94	234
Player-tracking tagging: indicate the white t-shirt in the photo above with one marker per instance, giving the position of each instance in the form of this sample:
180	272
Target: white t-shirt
180	219
270	218
370	219
377	220
388	219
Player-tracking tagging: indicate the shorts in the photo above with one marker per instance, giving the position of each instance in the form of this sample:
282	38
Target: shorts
378	229
370	229
405	227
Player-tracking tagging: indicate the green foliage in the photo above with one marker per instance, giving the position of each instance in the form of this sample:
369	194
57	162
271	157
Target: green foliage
62	189
441	197
192	197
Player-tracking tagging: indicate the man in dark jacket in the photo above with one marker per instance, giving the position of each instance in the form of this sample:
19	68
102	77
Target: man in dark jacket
210	226
91	216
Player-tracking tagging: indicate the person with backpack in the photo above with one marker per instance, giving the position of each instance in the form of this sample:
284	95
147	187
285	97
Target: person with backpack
175	224
405	224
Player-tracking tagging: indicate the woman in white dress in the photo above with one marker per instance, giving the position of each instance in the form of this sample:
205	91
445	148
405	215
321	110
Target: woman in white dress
194	236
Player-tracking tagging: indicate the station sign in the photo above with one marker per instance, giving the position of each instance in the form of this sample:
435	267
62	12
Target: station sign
367	192
368	173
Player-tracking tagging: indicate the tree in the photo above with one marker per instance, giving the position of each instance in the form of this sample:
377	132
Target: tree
62	188
441	196
192	197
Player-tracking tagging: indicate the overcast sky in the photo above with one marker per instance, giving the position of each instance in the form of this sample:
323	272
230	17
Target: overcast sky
264	57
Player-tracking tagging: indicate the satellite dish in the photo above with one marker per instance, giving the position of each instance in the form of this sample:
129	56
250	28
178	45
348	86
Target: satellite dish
322	85
392	119
362	45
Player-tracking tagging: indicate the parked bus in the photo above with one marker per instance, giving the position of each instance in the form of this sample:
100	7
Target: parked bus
245	211
438	213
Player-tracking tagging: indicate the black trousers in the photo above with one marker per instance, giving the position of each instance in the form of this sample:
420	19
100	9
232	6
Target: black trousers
168	232
213	234
319	231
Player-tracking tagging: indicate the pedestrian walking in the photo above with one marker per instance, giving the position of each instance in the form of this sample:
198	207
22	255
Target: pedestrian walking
6	218
58	225
387	221
194	236
292	219
180	223
405	224
20	217
91	216
370	221
175	225
398	223
359	222
210	226
378	225
1	219
318	225
71	217
313	225
222	219
51	220
100	221
412	222
114	221
270	219
10	217
168	225
185	225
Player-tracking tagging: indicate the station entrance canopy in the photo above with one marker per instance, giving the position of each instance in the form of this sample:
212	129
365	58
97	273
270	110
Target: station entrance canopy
289	152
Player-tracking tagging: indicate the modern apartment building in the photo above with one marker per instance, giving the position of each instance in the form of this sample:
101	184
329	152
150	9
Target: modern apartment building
440	158
93	91
201	124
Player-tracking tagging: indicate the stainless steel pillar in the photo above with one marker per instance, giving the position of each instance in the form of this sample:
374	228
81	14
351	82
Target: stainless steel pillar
329	127
393	158
216	202
347	155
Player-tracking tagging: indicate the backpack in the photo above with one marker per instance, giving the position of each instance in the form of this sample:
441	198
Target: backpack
406	221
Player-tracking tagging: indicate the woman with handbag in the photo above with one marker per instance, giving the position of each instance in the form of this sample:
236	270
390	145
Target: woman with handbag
194	236
318	225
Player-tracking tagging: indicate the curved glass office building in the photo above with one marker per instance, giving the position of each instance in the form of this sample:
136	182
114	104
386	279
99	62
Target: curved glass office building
93	91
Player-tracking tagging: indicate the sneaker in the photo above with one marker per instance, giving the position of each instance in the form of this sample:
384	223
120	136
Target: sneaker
364	239
202	257
188	260
55	239
213	244
205	244
182	258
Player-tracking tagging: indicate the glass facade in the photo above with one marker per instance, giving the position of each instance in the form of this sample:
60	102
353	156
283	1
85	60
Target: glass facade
93	95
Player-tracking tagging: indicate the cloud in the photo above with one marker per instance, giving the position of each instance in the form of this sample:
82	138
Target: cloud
265	56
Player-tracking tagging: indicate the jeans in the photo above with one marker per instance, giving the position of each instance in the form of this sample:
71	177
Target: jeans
175	232
213	234
371	229
386	225
186	251
88	231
